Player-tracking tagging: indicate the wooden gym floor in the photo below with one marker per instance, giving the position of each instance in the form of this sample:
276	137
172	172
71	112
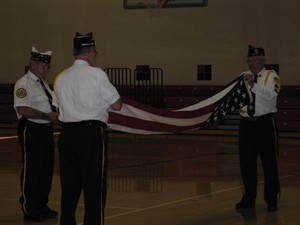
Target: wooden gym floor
167	180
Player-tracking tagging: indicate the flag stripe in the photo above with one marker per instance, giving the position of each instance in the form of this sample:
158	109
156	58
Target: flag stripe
158	126
131	107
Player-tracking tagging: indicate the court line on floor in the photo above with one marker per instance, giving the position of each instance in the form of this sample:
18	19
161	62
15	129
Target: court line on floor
160	205
164	204
79	204
8	137
171	203
181	200
16	136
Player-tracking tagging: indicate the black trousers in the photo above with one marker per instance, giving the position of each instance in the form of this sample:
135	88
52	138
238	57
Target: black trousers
259	138
83	166
37	144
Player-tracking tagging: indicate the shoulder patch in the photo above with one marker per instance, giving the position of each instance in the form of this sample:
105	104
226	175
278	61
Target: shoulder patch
277	84
21	93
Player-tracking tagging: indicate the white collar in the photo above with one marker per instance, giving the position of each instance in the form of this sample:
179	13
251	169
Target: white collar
80	62
33	76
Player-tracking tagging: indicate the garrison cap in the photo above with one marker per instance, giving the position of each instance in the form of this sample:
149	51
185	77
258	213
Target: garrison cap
252	51
44	57
84	40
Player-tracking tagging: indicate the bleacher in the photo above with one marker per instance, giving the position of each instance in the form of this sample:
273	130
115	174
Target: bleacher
8	118
177	96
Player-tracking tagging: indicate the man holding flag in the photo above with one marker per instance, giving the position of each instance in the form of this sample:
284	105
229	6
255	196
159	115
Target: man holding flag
258	132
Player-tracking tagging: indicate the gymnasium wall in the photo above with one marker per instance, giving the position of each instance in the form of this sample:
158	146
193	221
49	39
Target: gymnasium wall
177	40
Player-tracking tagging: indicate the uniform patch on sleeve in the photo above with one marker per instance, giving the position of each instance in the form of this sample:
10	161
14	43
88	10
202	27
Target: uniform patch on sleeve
21	93
277	84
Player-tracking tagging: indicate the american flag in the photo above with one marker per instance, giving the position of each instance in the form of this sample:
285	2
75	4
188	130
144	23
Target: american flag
236	98
137	118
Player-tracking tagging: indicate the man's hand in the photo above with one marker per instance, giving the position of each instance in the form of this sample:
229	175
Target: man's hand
53	117
249	79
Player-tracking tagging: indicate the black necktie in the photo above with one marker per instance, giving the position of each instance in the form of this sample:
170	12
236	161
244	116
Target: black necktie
251	106
53	108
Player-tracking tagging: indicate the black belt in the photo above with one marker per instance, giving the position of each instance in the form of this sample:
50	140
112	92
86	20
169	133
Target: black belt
88	123
39	124
257	118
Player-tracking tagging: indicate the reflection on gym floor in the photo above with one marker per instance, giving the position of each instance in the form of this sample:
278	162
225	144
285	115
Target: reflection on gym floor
168	180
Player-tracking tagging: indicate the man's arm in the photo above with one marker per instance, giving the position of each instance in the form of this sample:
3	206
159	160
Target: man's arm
36	114
117	106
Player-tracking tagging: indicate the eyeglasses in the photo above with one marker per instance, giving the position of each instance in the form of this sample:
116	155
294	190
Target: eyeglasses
95	52
44	65
252	60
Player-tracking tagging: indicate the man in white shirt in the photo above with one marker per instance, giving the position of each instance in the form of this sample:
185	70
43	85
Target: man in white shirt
258	132
35	111
84	96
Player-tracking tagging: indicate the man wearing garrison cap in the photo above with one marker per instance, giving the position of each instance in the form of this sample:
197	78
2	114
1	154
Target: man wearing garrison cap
84	95
258	132
252	51
33	102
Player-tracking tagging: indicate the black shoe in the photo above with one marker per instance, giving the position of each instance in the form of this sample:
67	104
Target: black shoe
34	217
245	203
49	213
272	208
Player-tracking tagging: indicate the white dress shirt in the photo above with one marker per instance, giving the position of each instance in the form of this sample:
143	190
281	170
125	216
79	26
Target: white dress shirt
29	92
84	92
266	91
